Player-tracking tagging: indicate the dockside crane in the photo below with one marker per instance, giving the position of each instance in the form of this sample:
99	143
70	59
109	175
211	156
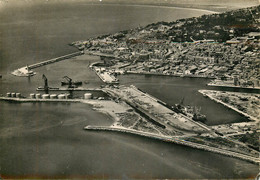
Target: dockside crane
70	83
69	80
46	87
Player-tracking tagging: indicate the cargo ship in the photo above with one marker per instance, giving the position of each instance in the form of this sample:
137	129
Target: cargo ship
192	112
76	83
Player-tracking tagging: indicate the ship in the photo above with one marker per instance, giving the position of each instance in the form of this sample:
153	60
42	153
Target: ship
71	84
197	116
77	83
192	112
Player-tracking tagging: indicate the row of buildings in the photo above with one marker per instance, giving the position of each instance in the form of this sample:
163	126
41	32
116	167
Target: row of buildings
152	49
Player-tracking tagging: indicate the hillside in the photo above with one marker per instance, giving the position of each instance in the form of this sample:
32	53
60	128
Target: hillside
219	27
223	46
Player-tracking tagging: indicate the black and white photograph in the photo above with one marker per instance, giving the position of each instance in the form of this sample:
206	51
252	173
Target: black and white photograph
129	89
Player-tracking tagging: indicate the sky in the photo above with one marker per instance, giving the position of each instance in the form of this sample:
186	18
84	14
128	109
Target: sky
235	3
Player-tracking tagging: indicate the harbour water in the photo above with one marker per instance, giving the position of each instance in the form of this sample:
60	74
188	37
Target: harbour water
48	140
173	89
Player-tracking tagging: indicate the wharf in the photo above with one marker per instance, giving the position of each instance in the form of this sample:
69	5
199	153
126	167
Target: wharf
70	89
26	71
157	111
38	100
202	125
106	77
232	86
206	94
169	75
177	140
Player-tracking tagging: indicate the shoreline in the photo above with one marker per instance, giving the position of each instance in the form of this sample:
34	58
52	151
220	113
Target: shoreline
169	75
176	141
211	8
166	6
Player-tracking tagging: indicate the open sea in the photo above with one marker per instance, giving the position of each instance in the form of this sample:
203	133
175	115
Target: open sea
48	140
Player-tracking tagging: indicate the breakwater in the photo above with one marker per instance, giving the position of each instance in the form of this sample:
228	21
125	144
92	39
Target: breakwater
177	141
27	70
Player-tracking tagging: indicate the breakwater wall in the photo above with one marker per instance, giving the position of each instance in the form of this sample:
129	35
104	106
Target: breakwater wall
55	60
27	70
177	141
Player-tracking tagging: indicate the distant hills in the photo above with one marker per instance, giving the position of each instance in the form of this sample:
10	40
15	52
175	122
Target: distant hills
216	5
219	27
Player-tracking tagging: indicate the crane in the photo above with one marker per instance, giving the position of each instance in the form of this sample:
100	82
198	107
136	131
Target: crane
70	83
69	80
46	87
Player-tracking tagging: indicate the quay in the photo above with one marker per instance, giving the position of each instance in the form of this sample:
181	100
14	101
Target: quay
38	100
27	70
105	76
63	97
204	93
69	89
170	75
233	86
202	125
157	111
176	140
